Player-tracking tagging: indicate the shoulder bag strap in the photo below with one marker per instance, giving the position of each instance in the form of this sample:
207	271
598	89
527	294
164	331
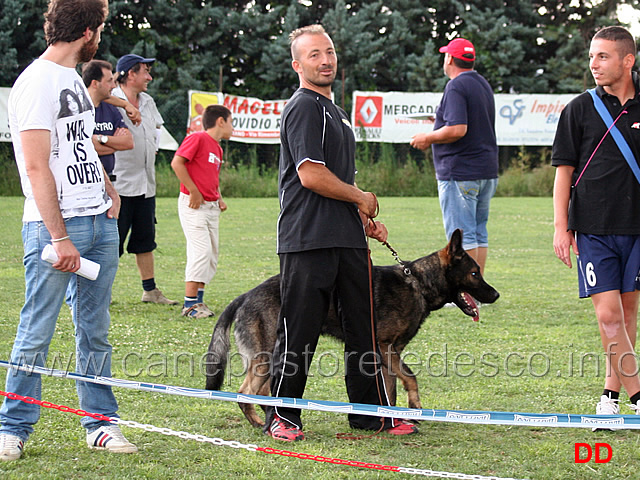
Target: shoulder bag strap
615	133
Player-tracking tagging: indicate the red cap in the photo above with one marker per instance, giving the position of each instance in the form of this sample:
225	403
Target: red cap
460	48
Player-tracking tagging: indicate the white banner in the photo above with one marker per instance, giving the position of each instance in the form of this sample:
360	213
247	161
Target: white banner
167	142
528	119
394	117
5	131
390	117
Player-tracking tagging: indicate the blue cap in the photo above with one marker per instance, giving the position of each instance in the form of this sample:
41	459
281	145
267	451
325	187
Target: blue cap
126	62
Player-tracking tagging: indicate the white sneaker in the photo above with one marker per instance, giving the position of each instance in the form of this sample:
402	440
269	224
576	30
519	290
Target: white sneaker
109	437
607	406
10	447
636	407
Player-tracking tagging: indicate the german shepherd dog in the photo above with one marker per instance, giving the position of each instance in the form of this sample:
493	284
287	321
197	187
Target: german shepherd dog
403	296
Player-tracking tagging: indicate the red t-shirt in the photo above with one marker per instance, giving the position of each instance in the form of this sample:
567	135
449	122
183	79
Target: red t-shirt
204	157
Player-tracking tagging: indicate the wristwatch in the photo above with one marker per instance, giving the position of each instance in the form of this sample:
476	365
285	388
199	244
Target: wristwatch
103	139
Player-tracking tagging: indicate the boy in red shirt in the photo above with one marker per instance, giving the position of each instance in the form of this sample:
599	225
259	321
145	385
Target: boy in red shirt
197	165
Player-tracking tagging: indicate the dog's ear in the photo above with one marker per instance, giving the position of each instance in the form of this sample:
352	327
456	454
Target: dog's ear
454	248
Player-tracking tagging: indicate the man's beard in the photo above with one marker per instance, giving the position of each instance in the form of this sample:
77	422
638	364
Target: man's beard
87	51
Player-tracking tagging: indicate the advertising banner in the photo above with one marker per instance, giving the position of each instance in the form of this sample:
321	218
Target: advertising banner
390	117
528	119
394	117
254	120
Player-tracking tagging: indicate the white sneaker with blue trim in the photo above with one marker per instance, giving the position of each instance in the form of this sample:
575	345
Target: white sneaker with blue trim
11	447
109	437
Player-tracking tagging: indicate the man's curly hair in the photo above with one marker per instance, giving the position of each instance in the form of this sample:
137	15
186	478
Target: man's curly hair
67	20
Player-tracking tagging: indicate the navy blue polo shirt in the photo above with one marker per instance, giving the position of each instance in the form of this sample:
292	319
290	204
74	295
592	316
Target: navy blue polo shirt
467	100
108	119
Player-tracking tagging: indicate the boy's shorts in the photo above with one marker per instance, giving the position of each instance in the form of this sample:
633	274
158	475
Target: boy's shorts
608	262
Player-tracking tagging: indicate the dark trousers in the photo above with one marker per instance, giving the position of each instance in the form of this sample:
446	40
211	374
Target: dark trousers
137	214
308	282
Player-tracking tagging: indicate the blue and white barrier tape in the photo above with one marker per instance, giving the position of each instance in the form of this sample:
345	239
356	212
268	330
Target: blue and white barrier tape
457	416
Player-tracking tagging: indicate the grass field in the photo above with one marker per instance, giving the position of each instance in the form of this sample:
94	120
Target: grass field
542	343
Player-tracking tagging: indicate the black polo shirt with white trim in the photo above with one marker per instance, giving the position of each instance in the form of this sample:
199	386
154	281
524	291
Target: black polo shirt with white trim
606	200
314	129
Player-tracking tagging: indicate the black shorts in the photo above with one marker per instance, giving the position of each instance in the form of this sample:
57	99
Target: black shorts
137	214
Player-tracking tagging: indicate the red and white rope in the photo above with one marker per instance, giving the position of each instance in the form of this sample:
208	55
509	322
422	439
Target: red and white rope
249	447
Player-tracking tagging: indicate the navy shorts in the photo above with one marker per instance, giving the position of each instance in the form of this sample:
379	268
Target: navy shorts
608	262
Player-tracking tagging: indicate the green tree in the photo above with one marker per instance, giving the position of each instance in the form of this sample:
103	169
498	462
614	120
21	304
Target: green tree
566	37
522	45
21	36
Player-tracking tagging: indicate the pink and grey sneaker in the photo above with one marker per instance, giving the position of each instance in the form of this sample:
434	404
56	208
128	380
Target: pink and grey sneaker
282	430
401	427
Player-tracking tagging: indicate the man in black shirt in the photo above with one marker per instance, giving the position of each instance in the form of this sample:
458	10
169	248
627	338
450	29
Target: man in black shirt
597	206
322	245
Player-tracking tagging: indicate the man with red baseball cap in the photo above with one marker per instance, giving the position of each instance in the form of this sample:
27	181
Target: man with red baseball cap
465	152
460	48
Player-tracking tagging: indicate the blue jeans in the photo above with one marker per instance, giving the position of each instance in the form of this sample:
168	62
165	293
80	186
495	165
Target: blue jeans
96	238
465	205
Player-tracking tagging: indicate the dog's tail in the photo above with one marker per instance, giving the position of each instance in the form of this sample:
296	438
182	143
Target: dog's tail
218	352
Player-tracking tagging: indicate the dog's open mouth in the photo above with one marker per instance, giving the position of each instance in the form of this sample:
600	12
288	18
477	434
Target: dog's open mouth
467	304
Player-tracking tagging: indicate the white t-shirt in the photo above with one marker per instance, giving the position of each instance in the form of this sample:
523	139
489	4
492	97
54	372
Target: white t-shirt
48	96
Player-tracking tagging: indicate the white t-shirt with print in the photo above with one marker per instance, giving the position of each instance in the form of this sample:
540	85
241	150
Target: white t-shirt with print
48	96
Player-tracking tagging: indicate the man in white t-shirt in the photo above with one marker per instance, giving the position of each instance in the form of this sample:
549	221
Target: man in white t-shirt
71	204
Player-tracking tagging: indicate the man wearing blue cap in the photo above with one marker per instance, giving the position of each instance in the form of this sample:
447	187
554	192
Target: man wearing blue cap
136	174
465	151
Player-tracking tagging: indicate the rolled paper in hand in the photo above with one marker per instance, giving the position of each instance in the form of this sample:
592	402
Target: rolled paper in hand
88	269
